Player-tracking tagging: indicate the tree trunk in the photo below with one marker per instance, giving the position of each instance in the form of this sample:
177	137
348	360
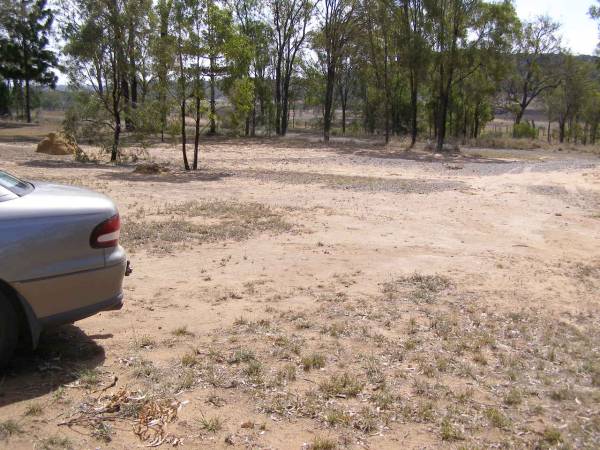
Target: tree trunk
561	130
196	132
134	92
414	104
27	101
133	87
116	136
328	101
186	165
386	90
182	99
520	114
213	106
278	95
285	106
253	129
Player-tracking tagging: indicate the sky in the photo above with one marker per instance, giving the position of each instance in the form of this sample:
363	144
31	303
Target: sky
579	31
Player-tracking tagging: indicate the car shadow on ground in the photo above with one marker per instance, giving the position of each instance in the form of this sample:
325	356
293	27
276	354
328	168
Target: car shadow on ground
62	356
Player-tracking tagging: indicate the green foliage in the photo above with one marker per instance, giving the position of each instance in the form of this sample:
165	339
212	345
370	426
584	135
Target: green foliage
241	95
25	29
142	67
524	131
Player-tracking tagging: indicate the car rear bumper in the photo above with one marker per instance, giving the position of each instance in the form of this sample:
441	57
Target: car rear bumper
65	299
73	315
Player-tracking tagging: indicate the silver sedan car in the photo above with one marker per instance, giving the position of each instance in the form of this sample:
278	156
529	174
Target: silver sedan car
60	258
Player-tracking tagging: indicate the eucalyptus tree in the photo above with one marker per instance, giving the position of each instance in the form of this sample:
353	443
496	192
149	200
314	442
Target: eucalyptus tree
258	35
181	21
289	21
569	98
377	19
137	23
337	27
162	54
461	29
535	57
346	84
216	35
594	12
95	33
413	44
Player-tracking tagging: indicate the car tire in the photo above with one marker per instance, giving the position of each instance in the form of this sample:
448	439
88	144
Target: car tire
9	330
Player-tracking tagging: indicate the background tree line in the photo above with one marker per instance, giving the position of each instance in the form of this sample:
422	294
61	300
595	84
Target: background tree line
435	69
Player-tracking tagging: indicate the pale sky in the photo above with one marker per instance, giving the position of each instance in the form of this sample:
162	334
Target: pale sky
579	31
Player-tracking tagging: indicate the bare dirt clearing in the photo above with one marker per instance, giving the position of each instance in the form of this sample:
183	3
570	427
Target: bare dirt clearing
297	295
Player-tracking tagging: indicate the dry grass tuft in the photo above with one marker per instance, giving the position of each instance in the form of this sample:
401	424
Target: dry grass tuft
341	385
195	222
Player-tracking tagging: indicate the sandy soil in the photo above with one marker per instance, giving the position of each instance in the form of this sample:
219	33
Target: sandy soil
295	295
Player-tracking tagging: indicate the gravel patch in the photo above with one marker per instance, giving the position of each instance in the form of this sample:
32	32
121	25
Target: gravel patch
584	199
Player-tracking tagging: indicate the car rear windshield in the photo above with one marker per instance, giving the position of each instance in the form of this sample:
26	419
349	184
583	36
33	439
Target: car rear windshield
14	185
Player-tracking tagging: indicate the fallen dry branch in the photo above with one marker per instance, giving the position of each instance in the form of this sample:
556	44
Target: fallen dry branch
149	417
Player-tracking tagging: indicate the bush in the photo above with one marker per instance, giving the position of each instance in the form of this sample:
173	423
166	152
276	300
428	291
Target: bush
525	131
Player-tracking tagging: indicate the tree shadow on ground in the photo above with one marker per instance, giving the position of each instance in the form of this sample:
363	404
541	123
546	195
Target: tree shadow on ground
369	147
63	163
172	176
62	355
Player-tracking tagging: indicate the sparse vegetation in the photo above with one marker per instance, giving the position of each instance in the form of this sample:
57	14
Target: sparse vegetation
212	424
55	443
313	361
341	385
387	315
224	221
34	410
182	332
89	377
323	443
9	428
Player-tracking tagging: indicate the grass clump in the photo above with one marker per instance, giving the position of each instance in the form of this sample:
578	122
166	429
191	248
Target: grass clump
341	385
286	374
55	443
34	410
182	332
496	418
9	428
211	424
449	432
550	438
421	288
254	371
313	361
242	355
145	342
513	397
336	416
102	432
88	377
322	443
190	359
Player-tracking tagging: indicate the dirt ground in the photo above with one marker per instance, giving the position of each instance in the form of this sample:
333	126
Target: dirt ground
296	295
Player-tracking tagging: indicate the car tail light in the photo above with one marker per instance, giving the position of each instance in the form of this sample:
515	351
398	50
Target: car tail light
107	233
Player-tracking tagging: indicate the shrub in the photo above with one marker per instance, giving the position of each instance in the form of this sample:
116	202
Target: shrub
525	131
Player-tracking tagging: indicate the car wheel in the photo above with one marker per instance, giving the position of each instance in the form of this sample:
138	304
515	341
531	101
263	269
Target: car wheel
9	330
